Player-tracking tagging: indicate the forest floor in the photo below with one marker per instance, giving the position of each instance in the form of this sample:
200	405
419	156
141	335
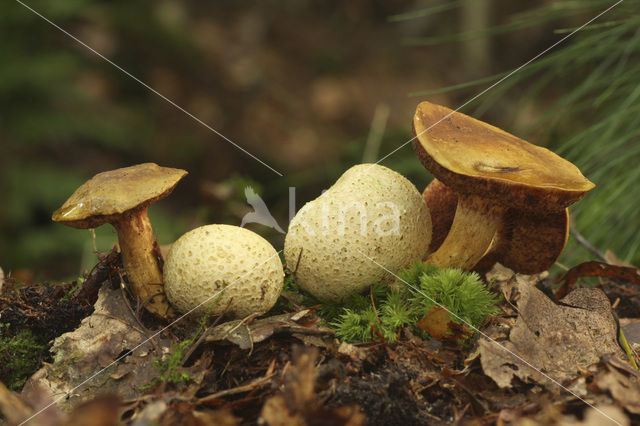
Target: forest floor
91	359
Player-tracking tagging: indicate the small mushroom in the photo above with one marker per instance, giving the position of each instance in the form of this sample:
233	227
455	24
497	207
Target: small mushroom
491	170
370	212
121	197
212	258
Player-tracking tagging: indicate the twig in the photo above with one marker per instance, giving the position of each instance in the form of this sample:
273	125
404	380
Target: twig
582	240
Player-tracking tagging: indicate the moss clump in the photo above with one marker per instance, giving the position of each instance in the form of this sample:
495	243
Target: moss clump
387	310
462	293
20	356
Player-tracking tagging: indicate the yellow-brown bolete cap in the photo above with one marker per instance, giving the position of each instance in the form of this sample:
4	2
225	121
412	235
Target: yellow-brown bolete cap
121	197
491	170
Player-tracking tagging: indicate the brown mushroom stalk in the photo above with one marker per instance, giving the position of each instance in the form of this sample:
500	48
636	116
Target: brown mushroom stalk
492	172
121	197
140	255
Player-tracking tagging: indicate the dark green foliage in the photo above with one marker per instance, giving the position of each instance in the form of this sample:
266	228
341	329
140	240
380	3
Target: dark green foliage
19	356
403	304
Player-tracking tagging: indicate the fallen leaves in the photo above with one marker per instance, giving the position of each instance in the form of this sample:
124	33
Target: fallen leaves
109	333
558	340
624	388
249	371
249	331
298	405
596	269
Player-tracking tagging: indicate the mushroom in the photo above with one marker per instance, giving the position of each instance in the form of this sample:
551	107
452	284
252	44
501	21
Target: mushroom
237	263
491	171
441	201
527	242
121	197
371	212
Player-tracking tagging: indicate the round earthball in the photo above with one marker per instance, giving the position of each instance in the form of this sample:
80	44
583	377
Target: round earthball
372	221
223	269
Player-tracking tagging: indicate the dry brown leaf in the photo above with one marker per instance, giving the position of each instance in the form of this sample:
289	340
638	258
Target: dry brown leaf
104	410
247	332
596	269
12	407
602	415
436	323
297	404
559	340
100	339
623	388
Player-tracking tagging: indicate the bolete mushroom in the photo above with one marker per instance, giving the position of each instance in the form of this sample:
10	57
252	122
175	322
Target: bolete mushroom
491	171
526	242
234	262
369	212
441	201
121	197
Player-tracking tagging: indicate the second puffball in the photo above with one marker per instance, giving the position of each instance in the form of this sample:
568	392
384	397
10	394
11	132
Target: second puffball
210	258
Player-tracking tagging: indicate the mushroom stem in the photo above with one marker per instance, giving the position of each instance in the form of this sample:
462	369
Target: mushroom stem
140	256
473	228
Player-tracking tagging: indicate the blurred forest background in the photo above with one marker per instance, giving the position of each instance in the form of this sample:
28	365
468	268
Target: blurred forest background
309	87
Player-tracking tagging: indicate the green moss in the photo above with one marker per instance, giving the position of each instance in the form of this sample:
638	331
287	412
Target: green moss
399	306
170	366
462	293
20	356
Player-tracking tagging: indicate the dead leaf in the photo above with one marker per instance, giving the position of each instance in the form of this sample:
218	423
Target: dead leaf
436	323
601	415
631	330
297	403
100	411
12	407
104	336
247	333
150	414
625	389
559	340
596	269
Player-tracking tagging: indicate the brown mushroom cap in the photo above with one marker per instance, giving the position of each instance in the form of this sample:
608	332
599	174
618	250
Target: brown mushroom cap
473	157
109	194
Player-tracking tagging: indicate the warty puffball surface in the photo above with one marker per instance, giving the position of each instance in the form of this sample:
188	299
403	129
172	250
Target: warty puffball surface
209	258
370	211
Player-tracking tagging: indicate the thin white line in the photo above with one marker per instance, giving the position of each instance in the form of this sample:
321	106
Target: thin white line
503	79
490	339
150	88
130	352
